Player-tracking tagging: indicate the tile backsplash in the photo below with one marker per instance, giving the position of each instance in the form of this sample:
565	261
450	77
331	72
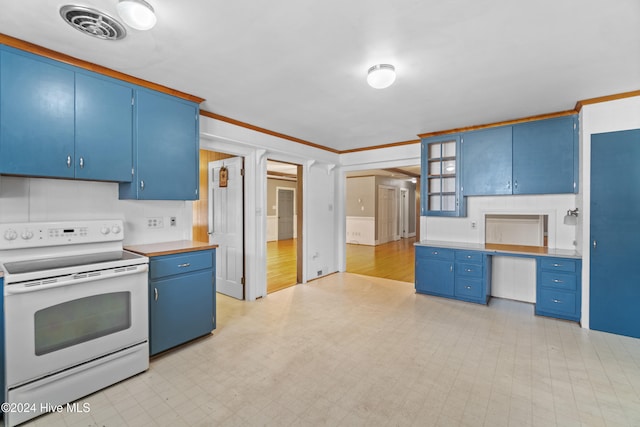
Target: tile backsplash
41	199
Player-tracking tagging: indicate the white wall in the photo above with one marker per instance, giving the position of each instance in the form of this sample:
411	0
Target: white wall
622	114
42	199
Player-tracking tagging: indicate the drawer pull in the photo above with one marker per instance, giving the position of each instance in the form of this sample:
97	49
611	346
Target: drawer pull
556	301
557	265
186	264
558	281
467	287
435	252
468	270
468	256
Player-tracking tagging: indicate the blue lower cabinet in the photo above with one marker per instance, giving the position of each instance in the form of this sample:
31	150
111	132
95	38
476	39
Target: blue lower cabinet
458	274
558	288
181	298
434	271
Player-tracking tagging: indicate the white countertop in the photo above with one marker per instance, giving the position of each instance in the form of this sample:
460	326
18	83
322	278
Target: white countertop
500	248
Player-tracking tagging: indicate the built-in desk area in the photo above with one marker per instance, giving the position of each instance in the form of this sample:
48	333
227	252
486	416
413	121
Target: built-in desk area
463	271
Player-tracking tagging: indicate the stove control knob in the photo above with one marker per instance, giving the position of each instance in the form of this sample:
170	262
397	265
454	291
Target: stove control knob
26	234
105	230
10	234
116	229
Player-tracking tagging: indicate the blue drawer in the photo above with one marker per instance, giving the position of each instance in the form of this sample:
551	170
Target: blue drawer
469	256
168	265
557	302
558	264
551	279
468	288
469	270
438	253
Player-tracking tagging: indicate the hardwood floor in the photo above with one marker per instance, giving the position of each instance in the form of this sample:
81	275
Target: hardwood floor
393	260
281	264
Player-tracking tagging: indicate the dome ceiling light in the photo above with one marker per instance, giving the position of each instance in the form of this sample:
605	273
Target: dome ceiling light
137	14
381	76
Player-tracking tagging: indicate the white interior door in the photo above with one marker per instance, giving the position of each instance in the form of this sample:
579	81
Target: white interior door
404	213
285	203
387	214
226	226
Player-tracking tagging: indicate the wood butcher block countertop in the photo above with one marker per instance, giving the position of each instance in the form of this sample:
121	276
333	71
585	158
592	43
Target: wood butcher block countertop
168	248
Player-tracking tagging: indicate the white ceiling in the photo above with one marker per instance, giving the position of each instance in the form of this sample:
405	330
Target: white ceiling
298	67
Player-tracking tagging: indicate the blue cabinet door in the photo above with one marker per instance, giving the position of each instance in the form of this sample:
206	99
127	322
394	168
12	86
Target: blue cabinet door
179	309
37	116
615	235
543	156
167	148
104	129
434	276
486	162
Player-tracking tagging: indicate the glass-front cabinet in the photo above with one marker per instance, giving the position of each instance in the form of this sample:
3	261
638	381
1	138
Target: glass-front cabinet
440	172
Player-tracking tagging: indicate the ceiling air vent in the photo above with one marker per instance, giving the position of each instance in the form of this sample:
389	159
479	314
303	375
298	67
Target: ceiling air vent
93	22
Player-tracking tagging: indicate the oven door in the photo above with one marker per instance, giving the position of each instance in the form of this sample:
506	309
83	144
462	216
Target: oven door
50	328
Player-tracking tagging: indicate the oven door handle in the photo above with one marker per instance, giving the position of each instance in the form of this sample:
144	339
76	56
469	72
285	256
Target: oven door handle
74	280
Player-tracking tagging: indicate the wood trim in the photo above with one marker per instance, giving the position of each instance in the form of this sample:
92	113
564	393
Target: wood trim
61	57
375	147
607	98
265	131
278	175
504	123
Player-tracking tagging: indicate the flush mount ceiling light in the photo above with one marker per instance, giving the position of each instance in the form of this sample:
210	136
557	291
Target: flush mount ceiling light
137	14
381	76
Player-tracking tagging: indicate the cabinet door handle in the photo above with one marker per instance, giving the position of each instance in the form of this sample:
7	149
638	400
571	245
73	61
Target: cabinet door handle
451	268
508	185
81	162
68	161
155	291
515	184
595	244
141	184
186	264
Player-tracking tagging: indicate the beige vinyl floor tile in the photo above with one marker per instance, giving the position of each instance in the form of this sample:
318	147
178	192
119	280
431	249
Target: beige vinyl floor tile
351	350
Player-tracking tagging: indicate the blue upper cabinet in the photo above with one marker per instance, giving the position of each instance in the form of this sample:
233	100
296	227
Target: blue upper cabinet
440	166
543	156
36	117
486	162
166	149
538	157
104	129
62	122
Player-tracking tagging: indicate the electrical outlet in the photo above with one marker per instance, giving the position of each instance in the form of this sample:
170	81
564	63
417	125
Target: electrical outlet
319	272
155	222
172	221
473	224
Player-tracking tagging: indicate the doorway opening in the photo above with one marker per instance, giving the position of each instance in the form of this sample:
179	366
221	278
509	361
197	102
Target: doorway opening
382	222
284	225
